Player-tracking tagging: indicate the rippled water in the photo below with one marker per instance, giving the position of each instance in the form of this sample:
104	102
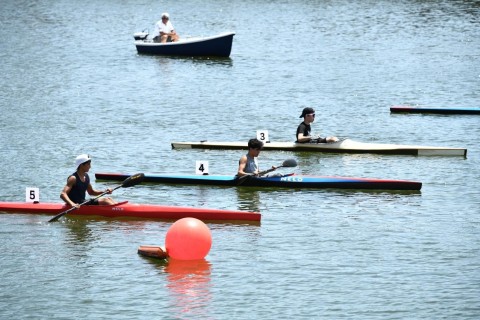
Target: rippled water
72	83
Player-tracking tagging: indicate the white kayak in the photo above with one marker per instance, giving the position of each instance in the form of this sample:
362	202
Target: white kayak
343	146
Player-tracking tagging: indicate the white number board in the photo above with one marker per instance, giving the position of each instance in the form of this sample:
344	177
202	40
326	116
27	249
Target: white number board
262	135
201	167
32	195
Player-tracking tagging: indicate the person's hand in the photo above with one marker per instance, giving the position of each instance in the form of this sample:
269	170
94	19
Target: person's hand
332	139
108	190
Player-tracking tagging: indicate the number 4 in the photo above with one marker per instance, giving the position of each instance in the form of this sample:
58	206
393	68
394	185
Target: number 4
201	167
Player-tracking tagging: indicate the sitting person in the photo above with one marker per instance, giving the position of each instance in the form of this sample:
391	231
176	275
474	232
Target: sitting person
248	164
164	31
304	129
78	184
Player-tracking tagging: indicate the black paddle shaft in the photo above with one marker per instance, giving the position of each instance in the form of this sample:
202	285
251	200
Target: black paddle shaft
287	163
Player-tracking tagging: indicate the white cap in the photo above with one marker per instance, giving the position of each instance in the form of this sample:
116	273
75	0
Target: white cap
165	14
82	159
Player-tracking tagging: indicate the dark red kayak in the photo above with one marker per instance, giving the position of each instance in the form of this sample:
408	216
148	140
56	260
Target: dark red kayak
406	109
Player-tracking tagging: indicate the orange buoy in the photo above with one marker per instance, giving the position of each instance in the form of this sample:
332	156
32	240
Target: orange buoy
188	239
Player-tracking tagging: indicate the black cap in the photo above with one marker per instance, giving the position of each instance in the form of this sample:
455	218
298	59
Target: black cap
307	111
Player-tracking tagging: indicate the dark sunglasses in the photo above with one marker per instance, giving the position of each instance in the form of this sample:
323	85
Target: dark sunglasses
311	114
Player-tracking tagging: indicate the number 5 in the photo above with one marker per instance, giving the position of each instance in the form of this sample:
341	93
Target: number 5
32	195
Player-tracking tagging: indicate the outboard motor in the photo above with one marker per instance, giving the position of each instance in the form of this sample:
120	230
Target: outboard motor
140	35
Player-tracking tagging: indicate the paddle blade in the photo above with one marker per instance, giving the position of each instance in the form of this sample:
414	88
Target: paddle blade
289	163
133	180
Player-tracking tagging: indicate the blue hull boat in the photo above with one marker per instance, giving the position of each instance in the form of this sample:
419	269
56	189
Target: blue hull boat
215	46
285	181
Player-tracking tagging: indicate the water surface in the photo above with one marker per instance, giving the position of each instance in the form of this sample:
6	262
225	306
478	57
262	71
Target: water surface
73	83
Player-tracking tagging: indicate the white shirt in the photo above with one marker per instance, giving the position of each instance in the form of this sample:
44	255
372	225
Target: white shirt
161	27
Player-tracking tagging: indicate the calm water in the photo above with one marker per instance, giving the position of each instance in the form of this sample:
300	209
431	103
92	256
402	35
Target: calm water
72	83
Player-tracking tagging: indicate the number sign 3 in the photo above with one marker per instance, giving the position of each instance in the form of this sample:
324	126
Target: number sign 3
262	135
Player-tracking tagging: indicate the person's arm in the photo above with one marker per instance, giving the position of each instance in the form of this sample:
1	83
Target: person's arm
241	166
156	31
301	130
302	138
68	187
167	30
172	29
91	191
327	140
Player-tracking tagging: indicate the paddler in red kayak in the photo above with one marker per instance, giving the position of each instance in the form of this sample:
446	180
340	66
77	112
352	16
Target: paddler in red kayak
78	183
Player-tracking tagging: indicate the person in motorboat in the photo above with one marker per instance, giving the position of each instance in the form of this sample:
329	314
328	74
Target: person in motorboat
304	129
248	163
164	30
78	183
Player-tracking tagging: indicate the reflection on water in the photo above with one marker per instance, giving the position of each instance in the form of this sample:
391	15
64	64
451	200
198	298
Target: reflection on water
188	283
248	199
363	57
195	61
78	231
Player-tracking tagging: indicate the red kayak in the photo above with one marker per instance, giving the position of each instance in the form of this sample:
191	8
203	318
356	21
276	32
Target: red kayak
125	209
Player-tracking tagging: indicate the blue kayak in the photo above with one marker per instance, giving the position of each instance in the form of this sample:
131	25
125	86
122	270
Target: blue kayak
406	109
285	181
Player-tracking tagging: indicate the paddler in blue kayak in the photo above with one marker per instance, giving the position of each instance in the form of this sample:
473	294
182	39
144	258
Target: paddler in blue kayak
304	129
78	183
248	163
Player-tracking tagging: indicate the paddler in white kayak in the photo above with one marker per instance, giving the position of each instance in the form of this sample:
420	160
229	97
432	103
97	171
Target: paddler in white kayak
304	129
78	183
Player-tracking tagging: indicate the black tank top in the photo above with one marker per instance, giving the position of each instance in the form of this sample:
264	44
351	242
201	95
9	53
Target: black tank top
77	194
303	128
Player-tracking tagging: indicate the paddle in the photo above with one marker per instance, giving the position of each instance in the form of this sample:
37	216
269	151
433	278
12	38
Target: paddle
129	182
287	163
